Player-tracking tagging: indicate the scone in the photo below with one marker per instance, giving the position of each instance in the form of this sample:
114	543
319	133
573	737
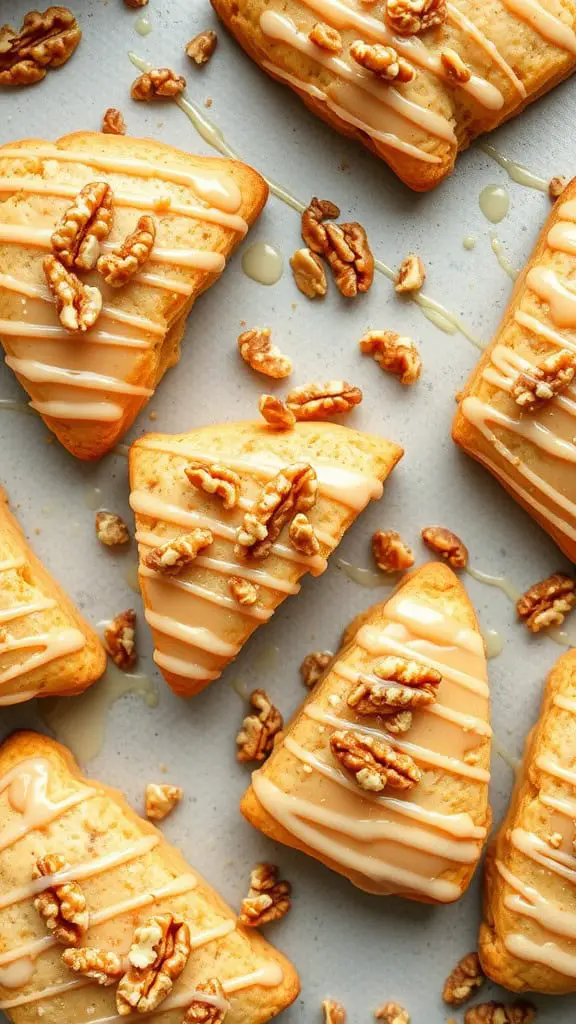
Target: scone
383	773
413	80
80	872
229	518
517	412
46	648
528	935
89	384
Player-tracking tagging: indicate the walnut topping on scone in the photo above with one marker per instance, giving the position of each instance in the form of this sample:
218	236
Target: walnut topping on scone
464	980
160	82
383	61
258	351
105	968
411	274
545	380
392	1013
78	305
173	556
158	955
445	543
314	666
334	1012
416	686
243	591
161	799
113	122
85	224
556	187
410	17
202	46
217	479
259	730
496	1013
302	535
555	839
62	907
547	603
111	530
292	490
309	273
394	353
46	40
120	640
373	762
316	401
390	552
200	1012
268	899
326	37
117	268
276	412
454	66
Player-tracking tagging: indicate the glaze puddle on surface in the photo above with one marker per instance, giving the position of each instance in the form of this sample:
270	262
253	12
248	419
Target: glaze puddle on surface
143	26
493	642
131	576
494	202
469	242
500	254
517	172
12	405
93	498
365	577
263	263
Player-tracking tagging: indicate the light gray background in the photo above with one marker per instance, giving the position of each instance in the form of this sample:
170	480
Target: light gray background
348	945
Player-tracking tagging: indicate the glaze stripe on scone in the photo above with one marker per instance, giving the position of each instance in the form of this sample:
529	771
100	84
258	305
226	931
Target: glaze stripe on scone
475	67
531	452
90	386
198	625
423	842
527	939
127	873
46	648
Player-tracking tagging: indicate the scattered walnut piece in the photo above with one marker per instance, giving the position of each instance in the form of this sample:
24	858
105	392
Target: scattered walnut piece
344	246
258	351
548	378
334	1012
119	266
268	899
464	980
411	274
314	666
390	552
302	535
410	17
454	66
161	799
158	955
276	412
326	37
445	543
135	3
120	640
313	227
496	1013
85	224
315	401
105	968
200	1012
292	490
160	82
394	353
309	273
113	122
111	529
242	590
214	478
173	556
392	1013
373	763
202	46
556	187
547	603
416	686
384	61
46	40
78	305
61	907
257	736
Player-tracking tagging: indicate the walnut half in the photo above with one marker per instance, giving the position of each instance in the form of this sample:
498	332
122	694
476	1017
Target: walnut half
78	305
291	491
201	47
259	730
256	348
276	412
113	122
344	246
392	1013
390	552
62	907
85	224
383	61
159	82
445	543
547	603
309	273
117	268
373	762
410	17
315	401
46	40
111	530
213	478
158	955
268	899
314	666
173	556
105	968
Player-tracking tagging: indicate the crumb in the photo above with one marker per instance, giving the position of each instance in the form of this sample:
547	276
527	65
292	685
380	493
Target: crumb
153	415
208	102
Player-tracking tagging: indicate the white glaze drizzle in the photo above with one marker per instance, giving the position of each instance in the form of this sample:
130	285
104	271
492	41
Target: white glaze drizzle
26	787
546	24
51	646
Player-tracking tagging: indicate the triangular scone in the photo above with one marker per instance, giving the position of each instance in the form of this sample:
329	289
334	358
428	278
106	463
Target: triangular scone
421	834
201	616
89	386
123	873
46	648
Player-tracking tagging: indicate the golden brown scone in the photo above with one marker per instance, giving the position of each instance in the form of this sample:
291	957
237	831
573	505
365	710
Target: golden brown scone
126	873
89	386
462	71
531	451
421	842
527	938
46	647
202	614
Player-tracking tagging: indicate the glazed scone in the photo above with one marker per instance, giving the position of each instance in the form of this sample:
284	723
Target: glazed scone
516	414
454	70
46	647
126	873
418	654
89	386
209	485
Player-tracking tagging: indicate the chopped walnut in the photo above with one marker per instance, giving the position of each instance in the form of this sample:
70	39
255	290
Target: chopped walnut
217	479
293	490
410	17
314	666
302	535
118	267
464	980
326	37
313	227
454	66
350	258
392	1013
445	543
61	907
120	640
556	187
79	305
173	556
383	61
548	378
334	1012
201	47
111	529
242	590
411	274
555	839
160	82
85	224
309	273
257	736
547	603
373	763
395	354
136	3
390	552
258	351
113	122
418	687
105	968
158	955
276	412
161	799
46	40
315	401
200	1012
267	900
496	1013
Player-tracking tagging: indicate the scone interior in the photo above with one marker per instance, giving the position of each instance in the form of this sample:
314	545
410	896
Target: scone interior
198	622
127	873
421	842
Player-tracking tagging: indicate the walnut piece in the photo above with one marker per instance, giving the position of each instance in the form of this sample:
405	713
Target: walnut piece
334	1012
316	401
390	552
344	246
111	530
411	274
410	17
548	378
213	478
276	412
313	227
384	61
243	591
78	305
113	122
454	66
418	687
257	736
85	224
496	1013
547	603
309	273
61	907
445	543
200	1012
258	351
314	666
464	980
159	82
46	40
326	37
556	187
293	490
161	799
392	1013
173	556
394	353
302	535
118	267
555	839
201	47
135	3
268	899
105	968
158	955
120	640
373	763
